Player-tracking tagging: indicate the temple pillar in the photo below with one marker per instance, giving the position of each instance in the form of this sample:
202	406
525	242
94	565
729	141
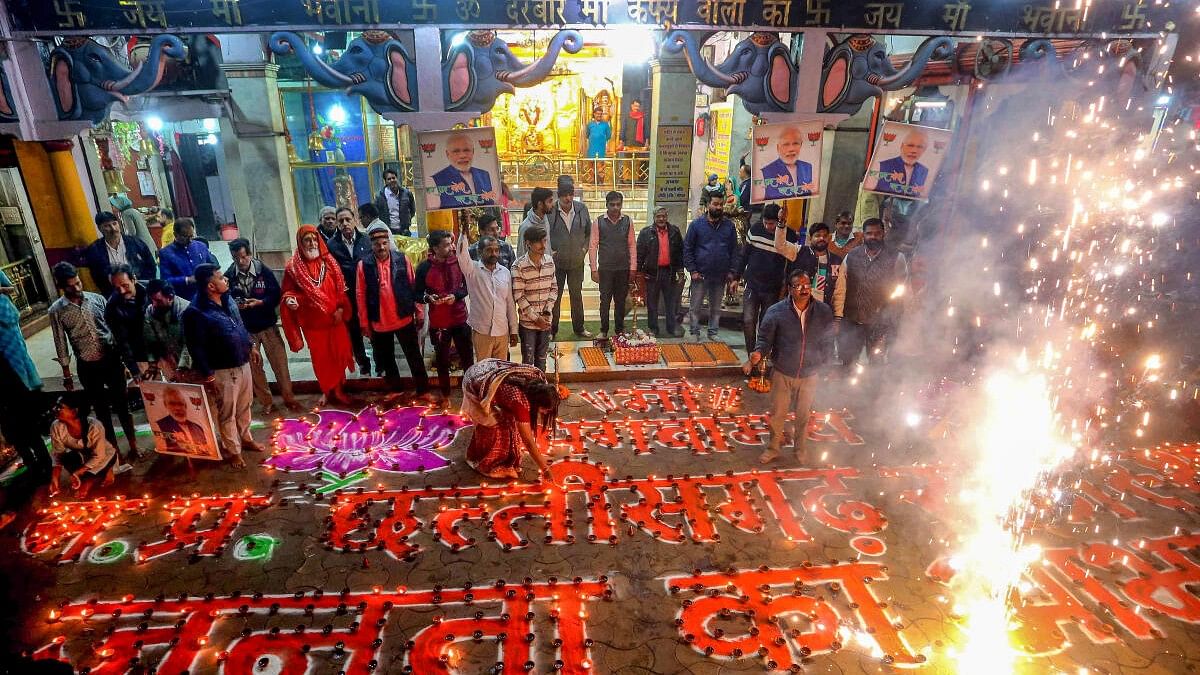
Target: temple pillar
671	133
56	197
256	157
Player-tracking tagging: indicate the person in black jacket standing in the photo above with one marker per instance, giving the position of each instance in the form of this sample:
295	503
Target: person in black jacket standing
660	260
125	313
797	335
395	204
763	269
349	246
255	290
114	248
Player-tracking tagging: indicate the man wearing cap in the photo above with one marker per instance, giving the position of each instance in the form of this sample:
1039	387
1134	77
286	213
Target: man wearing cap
387	309
327	222
570	236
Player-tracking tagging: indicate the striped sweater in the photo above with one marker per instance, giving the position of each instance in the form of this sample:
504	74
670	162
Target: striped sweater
535	288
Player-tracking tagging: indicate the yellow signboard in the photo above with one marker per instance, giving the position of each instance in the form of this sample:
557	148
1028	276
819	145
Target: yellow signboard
716	160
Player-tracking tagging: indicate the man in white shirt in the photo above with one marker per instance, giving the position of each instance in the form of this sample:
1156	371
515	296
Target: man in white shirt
492	315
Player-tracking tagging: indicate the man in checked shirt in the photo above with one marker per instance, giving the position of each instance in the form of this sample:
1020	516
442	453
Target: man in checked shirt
78	324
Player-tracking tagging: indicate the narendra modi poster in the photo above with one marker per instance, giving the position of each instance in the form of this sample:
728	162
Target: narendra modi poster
786	161
461	168
906	160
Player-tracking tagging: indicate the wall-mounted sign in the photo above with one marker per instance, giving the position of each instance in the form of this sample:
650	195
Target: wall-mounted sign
673	155
1035	17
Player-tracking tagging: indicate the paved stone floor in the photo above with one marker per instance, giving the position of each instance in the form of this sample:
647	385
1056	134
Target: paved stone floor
664	548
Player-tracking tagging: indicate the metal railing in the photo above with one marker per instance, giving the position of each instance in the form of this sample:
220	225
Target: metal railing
623	171
31	295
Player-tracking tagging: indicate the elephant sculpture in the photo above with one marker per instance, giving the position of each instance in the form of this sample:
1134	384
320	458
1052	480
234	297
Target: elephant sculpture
85	77
859	68
480	68
760	70
374	65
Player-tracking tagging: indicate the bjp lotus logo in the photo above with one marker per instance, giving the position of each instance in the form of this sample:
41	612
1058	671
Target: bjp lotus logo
761	142
428	149
939	146
888	137
813	137
486	144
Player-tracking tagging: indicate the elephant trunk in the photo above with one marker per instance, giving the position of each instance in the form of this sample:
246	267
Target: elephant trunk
941	47
285	43
682	41
535	72
147	75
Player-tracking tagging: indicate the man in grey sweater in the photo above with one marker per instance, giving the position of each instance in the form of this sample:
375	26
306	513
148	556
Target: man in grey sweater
570	236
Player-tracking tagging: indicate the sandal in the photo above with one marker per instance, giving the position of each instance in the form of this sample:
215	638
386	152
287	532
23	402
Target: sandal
768	457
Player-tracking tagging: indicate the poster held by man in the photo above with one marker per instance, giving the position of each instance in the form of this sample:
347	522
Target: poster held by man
181	419
906	160
785	162
461	168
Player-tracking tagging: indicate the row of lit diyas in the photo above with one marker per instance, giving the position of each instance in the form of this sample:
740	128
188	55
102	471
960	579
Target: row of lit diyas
74	527
357	644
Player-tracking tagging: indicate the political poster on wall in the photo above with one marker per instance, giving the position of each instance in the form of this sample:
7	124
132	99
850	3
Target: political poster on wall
906	160
461	168
786	161
181	419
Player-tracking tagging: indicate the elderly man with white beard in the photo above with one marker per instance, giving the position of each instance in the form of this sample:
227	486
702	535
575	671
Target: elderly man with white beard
315	309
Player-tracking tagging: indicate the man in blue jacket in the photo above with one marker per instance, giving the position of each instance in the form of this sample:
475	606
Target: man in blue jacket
178	260
709	249
220	349
764	270
255	290
114	248
797	335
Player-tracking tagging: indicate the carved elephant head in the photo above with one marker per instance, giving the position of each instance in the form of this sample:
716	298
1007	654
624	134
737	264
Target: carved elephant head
480	68
86	78
760	70
859	68
375	66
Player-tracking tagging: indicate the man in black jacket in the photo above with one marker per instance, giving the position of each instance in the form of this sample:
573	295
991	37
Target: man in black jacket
255	290
395	204
387	310
660	260
763	269
125	313
114	248
349	246
815	260
570	234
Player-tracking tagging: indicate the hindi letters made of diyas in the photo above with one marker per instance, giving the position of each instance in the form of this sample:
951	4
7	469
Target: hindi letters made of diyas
955	15
881	15
229	11
657	12
145	13
722	12
1053	20
537	12
342	12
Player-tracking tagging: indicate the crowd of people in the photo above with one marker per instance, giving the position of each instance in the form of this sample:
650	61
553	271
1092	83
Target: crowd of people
173	314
